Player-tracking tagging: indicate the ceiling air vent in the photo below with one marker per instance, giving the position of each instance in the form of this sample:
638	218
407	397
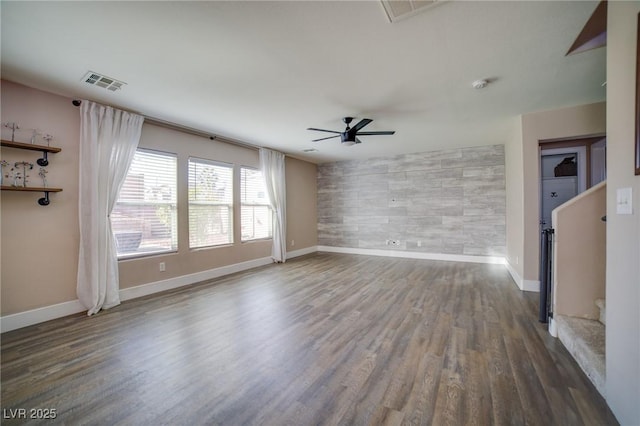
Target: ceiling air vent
402	9
95	79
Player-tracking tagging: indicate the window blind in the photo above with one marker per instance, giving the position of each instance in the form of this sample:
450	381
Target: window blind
144	218
210	203
255	211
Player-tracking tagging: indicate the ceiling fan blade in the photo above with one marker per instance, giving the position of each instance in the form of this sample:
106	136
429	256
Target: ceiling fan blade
361	124
321	139
390	132
323	130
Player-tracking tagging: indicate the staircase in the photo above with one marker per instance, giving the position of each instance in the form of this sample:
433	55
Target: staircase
579	275
585	341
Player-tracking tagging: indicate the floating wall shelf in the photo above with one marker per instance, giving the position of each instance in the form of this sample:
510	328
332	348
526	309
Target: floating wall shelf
33	147
42	201
44	161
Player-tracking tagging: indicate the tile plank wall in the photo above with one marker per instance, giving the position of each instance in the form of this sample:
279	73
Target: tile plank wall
449	202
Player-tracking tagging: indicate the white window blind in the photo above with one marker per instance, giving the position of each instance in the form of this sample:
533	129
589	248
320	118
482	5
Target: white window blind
144	218
255	211
210	203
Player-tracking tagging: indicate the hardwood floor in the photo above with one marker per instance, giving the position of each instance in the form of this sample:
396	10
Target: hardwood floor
322	339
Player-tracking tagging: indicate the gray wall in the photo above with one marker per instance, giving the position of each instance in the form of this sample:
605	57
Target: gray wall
449	202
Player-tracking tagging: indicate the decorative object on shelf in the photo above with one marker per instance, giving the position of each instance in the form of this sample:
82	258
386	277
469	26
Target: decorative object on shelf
47	137
43	175
16	176
24	165
13	127
34	135
3	164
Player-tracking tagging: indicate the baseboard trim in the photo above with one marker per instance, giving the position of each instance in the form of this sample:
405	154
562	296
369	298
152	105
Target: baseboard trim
184	280
47	313
301	252
414	255
38	315
531	285
524	285
516	277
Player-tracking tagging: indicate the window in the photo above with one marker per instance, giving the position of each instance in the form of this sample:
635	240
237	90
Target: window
144	218
210	203
256	217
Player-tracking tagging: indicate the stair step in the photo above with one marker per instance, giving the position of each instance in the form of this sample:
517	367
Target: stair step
585	341
600	303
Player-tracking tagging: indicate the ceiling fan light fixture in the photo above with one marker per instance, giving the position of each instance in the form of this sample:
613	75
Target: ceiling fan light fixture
350	135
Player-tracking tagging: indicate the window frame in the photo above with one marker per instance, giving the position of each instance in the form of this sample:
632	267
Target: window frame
231	206
174	205
242	204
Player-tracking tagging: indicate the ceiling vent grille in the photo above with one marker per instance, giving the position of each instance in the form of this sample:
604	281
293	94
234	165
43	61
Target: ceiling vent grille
95	79
398	10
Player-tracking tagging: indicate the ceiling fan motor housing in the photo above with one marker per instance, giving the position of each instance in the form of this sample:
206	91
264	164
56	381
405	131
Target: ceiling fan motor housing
348	139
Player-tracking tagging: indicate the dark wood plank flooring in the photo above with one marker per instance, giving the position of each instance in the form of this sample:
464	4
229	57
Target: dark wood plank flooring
323	339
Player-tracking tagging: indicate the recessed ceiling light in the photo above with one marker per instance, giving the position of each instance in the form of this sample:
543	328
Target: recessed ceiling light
479	84
310	150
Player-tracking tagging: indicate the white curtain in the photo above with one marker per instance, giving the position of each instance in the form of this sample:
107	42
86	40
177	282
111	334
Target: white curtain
108	142
272	166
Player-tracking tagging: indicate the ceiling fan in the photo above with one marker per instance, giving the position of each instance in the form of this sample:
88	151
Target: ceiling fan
350	134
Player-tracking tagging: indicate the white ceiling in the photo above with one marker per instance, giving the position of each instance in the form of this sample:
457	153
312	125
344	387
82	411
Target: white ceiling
262	72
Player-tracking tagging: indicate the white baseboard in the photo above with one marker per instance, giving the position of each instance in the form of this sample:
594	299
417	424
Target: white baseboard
47	313
524	285
301	252
35	316
553	327
531	285
415	255
181	281
516	277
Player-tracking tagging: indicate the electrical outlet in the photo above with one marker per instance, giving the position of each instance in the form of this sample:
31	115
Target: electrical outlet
163	267
293	243
419	243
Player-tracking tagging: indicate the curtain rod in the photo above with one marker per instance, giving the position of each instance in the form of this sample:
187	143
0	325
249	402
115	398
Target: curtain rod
185	129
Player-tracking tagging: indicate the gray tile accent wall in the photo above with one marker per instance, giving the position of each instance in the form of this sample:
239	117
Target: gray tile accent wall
448	202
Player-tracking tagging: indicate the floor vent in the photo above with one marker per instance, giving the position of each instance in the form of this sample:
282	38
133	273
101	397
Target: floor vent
401	9
95	79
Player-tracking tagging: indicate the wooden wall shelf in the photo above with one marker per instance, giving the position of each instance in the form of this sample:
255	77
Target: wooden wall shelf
44	201
30	188
29	146
44	161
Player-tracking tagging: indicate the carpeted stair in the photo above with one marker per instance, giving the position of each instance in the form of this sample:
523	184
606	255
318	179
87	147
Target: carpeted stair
585	340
